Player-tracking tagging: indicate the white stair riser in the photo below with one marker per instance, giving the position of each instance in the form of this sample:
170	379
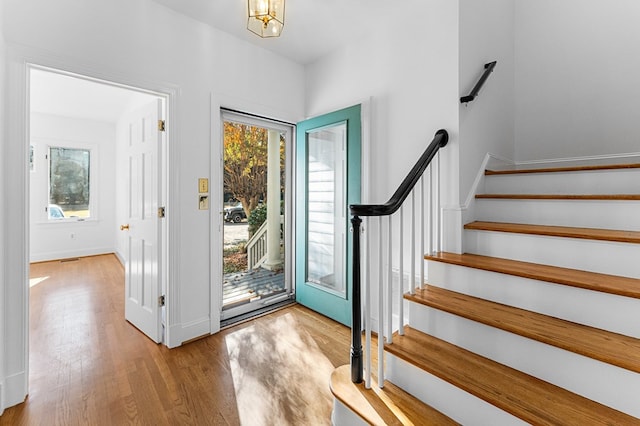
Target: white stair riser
454	402
577	213
592	182
560	301
589	255
599	381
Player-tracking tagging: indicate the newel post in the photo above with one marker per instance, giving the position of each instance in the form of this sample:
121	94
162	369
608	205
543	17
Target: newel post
356	315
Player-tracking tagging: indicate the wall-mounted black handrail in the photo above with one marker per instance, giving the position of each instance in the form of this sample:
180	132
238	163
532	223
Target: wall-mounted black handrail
439	141
488	69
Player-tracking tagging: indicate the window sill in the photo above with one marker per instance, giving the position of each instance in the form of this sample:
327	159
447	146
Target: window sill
70	220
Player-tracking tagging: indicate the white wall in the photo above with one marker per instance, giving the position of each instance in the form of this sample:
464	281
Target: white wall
487	123
57	240
141	43
577	68
408	63
408	66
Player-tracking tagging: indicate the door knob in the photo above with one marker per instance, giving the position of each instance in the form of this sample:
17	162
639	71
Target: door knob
124	227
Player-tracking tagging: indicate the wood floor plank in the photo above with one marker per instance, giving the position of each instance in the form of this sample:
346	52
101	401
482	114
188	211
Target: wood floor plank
613	284
388	406
526	397
89	366
558	231
613	348
564	169
586	197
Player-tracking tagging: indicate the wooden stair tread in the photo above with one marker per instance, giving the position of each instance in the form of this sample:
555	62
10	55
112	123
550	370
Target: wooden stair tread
558	231
388	406
613	348
526	397
603	197
613	284
564	169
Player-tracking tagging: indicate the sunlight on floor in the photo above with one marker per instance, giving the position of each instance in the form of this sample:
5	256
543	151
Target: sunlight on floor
35	281
280	375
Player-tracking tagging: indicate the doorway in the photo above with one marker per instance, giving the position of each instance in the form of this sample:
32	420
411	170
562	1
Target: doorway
82	181
256	226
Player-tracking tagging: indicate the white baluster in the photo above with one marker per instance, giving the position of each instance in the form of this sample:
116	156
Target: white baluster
412	255
401	276
367	304
380	309
389	283
421	254
439	201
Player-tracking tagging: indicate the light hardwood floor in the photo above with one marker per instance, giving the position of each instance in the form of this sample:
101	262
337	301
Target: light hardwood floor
89	366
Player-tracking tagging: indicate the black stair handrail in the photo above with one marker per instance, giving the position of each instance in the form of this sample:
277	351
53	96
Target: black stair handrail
488	69
440	140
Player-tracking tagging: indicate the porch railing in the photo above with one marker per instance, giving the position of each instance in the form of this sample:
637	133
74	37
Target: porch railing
379	220
257	245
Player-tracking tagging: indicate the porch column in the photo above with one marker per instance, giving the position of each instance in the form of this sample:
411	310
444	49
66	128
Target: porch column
274	260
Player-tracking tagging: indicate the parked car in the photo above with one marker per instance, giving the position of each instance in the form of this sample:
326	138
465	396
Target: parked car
234	214
55	212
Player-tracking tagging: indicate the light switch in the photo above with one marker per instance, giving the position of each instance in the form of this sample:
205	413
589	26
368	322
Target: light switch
203	185
204	202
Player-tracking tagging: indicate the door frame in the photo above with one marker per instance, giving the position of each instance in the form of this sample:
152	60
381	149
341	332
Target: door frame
19	62
289	129
220	102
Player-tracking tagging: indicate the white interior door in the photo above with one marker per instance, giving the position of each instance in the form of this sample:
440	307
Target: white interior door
142	269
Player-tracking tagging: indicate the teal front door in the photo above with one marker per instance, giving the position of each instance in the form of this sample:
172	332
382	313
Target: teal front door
328	155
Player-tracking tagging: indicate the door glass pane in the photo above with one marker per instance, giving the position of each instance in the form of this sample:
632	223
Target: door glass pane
326	221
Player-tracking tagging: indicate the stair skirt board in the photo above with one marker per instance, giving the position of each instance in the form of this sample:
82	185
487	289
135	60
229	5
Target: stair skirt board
556	300
607	384
620	181
578	213
452	401
341	415
605	257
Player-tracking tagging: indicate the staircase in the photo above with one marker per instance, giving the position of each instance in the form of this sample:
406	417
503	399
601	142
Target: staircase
538	322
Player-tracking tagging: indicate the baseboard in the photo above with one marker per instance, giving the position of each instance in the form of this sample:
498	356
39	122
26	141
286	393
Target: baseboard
180	333
15	390
120	258
629	157
46	257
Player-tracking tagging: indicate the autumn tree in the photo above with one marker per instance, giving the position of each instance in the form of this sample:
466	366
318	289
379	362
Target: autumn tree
245	163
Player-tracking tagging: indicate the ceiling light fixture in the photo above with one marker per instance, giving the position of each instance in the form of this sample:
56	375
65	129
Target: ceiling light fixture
266	17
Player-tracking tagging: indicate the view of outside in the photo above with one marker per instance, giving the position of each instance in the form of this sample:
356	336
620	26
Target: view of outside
69	179
245	189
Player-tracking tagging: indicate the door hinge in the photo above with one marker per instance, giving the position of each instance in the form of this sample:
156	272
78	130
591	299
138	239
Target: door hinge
160	212
161	300
161	125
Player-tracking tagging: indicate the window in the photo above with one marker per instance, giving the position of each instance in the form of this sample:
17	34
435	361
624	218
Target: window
69	183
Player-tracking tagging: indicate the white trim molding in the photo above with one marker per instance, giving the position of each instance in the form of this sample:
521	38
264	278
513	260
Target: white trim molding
20	60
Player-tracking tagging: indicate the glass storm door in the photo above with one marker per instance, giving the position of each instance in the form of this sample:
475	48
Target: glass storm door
328	181
255	256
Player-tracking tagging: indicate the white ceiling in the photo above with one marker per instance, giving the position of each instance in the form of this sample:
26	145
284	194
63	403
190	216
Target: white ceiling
67	96
312	28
